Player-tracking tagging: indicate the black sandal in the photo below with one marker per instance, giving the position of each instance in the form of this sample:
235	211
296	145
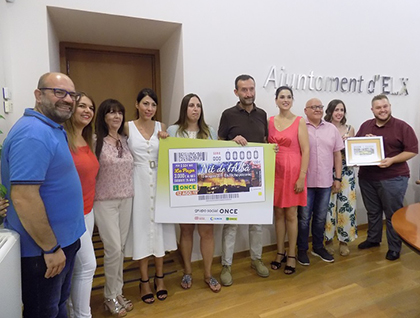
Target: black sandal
289	270
148	298
161	294
277	265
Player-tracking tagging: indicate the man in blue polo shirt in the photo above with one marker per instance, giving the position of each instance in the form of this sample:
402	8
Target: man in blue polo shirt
46	196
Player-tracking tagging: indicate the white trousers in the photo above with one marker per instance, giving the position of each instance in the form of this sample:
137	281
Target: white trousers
84	269
113	219
229	238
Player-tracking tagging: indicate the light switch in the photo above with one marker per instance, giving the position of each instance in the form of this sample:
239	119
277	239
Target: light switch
7	94
8	106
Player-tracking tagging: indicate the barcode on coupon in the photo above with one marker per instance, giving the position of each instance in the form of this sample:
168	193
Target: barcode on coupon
190	156
216	197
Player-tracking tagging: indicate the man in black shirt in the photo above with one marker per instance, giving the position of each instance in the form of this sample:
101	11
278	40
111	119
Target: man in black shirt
242	123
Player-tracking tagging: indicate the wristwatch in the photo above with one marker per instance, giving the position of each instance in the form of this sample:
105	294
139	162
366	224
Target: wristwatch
338	179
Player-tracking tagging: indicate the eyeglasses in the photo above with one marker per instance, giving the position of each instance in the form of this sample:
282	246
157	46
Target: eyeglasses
319	107
62	93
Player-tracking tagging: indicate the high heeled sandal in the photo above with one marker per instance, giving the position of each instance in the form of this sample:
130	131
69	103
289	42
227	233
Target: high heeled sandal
289	270
126	303
114	307
148	298
160	294
277	265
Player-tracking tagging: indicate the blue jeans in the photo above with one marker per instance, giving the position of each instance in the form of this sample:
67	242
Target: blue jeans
46	297
317	205
385	196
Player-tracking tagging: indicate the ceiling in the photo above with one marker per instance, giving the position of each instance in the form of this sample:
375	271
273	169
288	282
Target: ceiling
105	29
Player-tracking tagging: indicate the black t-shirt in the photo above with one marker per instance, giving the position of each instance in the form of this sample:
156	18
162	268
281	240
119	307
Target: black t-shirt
237	121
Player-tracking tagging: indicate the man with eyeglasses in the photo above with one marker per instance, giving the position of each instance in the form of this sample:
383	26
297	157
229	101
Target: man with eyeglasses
46	195
325	154
383	186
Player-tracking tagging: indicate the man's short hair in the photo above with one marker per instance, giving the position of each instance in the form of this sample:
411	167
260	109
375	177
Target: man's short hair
379	97
243	77
42	80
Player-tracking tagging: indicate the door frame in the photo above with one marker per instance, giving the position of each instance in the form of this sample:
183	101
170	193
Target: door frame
64	66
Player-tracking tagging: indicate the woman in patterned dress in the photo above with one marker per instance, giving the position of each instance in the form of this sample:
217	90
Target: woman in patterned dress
341	218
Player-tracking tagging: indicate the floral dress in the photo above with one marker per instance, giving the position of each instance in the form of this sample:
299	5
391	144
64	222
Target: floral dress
341	217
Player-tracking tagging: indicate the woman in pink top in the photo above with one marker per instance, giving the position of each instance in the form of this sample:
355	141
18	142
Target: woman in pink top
289	132
79	133
113	199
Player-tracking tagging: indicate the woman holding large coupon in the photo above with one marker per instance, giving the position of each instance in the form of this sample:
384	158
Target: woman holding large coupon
147	238
289	132
191	124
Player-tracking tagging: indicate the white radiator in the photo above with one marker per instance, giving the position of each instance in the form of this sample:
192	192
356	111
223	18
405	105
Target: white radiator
10	276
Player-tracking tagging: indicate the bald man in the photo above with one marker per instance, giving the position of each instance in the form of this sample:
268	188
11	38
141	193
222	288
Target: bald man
46	196
325	145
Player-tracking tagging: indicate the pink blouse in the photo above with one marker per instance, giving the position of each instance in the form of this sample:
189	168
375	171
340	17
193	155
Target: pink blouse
115	177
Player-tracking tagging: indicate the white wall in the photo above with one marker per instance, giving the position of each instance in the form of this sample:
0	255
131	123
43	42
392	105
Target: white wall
222	39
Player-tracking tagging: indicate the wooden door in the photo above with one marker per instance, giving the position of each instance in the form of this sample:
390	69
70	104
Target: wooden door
111	72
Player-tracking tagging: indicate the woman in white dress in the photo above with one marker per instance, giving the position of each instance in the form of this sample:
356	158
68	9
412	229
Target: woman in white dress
191	124
147	238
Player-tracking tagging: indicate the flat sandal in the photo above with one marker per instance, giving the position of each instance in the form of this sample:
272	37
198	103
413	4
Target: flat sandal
186	281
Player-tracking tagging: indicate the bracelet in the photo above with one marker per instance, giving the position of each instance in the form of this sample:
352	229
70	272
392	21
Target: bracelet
53	250
303	171
338	179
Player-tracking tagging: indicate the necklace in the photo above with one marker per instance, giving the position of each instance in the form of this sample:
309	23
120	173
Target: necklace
118	145
115	138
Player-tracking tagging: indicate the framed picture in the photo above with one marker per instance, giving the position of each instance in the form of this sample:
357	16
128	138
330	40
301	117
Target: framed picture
364	151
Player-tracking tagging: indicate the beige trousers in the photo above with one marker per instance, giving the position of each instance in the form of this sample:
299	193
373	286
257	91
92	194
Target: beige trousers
113	217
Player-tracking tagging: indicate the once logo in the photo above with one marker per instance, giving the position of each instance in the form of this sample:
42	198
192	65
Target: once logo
185	187
228	211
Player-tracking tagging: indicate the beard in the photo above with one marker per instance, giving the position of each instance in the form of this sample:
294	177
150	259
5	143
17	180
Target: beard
58	112
380	120
247	101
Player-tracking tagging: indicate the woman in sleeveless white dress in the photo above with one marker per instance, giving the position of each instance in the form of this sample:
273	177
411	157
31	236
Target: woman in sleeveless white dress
147	238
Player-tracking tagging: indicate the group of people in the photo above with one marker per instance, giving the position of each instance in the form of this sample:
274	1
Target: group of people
62	180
